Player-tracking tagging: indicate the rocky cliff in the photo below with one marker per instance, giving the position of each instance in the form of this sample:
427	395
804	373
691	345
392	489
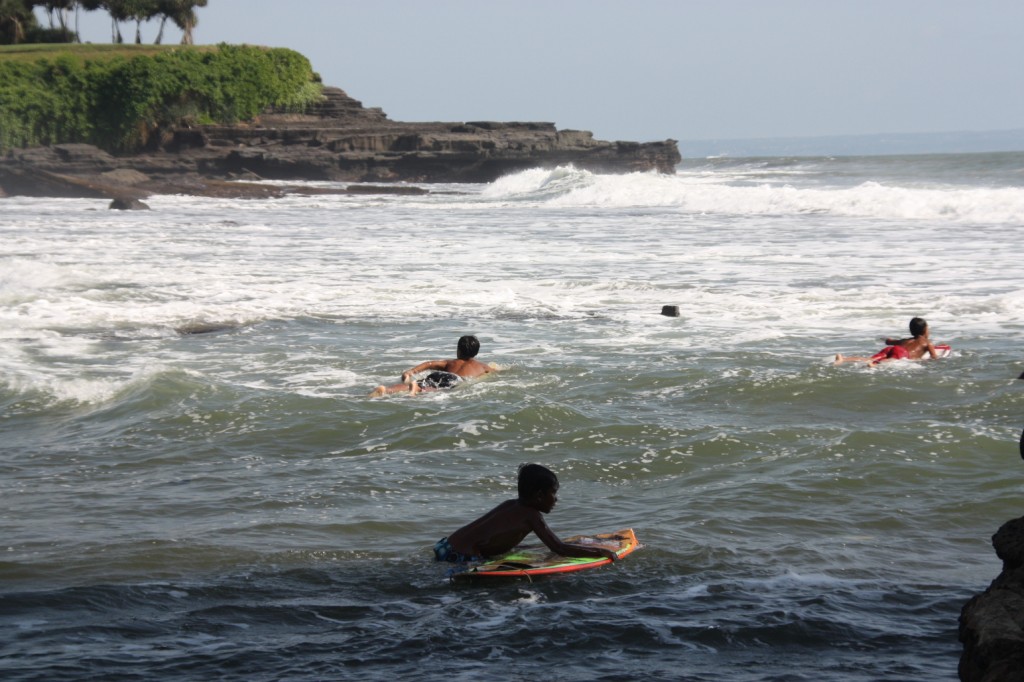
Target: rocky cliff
340	140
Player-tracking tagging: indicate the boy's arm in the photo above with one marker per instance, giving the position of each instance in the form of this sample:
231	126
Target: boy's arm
931	351
556	545
429	364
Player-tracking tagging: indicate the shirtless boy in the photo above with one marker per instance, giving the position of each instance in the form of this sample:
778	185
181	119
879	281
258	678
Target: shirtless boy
446	373
505	526
913	348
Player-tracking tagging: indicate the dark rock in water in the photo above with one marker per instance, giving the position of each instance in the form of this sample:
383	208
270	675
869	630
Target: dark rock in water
992	623
196	328
670	310
128	204
339	140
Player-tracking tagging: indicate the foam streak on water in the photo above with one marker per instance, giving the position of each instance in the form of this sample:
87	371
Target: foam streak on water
193	484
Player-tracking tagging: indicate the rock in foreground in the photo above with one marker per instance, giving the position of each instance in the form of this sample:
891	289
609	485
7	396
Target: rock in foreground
992	623
340	141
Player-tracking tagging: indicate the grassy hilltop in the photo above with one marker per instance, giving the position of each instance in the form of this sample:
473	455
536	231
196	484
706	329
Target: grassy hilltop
30	52
119	97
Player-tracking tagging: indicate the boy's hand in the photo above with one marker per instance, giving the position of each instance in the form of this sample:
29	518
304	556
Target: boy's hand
609	554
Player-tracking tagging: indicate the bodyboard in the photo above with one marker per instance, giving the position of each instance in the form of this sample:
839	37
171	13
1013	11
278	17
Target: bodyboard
943	351
531	561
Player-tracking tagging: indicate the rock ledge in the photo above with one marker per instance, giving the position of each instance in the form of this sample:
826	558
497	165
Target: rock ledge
340	140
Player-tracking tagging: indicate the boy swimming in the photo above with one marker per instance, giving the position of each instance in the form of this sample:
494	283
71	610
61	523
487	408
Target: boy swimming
505	526
912	348
447	373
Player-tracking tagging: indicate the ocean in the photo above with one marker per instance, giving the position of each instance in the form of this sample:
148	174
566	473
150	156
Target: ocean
194	485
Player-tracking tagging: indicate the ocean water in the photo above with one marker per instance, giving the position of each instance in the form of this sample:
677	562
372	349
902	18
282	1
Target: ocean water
193	484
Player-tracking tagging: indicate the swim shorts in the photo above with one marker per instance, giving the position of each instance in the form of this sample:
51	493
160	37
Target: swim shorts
439	380
891	353
444	552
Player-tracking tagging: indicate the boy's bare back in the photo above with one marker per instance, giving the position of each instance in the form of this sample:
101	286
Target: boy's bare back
918	344
466	368
497	531
916	347
505	526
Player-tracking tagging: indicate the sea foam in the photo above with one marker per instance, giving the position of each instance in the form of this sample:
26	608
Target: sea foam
733	193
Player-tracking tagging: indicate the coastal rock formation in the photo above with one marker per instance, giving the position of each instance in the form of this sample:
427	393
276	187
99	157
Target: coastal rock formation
340	140
992	623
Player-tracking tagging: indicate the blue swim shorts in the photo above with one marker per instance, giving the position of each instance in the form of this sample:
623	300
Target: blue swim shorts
444	552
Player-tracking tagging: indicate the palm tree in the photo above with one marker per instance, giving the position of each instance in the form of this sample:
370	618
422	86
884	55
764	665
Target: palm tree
183	14
163	12
140	11
15	17
124	10
114	8
60	8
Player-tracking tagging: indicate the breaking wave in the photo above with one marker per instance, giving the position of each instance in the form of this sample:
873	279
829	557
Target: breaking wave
758	190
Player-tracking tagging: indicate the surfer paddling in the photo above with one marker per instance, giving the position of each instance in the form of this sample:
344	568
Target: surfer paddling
447	373
505	526
913	348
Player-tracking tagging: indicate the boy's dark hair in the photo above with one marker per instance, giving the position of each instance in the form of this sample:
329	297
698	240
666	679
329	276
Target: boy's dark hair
533	479
469	346
917	326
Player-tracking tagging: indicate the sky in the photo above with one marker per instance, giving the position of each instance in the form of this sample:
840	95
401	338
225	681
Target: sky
649	70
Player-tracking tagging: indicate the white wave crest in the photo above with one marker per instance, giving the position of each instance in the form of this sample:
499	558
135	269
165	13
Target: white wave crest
706	193
538	183
55	388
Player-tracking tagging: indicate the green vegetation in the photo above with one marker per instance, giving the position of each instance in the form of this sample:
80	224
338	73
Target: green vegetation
118	96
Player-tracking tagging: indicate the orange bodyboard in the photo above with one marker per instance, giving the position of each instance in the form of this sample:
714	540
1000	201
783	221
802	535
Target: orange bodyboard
530	561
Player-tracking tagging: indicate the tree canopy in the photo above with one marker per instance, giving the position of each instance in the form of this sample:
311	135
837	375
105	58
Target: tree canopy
18	22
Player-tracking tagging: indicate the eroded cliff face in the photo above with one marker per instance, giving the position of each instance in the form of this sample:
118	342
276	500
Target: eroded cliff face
992	623
340	141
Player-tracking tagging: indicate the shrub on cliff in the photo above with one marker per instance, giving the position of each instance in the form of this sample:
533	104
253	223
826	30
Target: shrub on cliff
119	103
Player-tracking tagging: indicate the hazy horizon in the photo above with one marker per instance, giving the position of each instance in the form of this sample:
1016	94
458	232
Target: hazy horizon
947	142
652	70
